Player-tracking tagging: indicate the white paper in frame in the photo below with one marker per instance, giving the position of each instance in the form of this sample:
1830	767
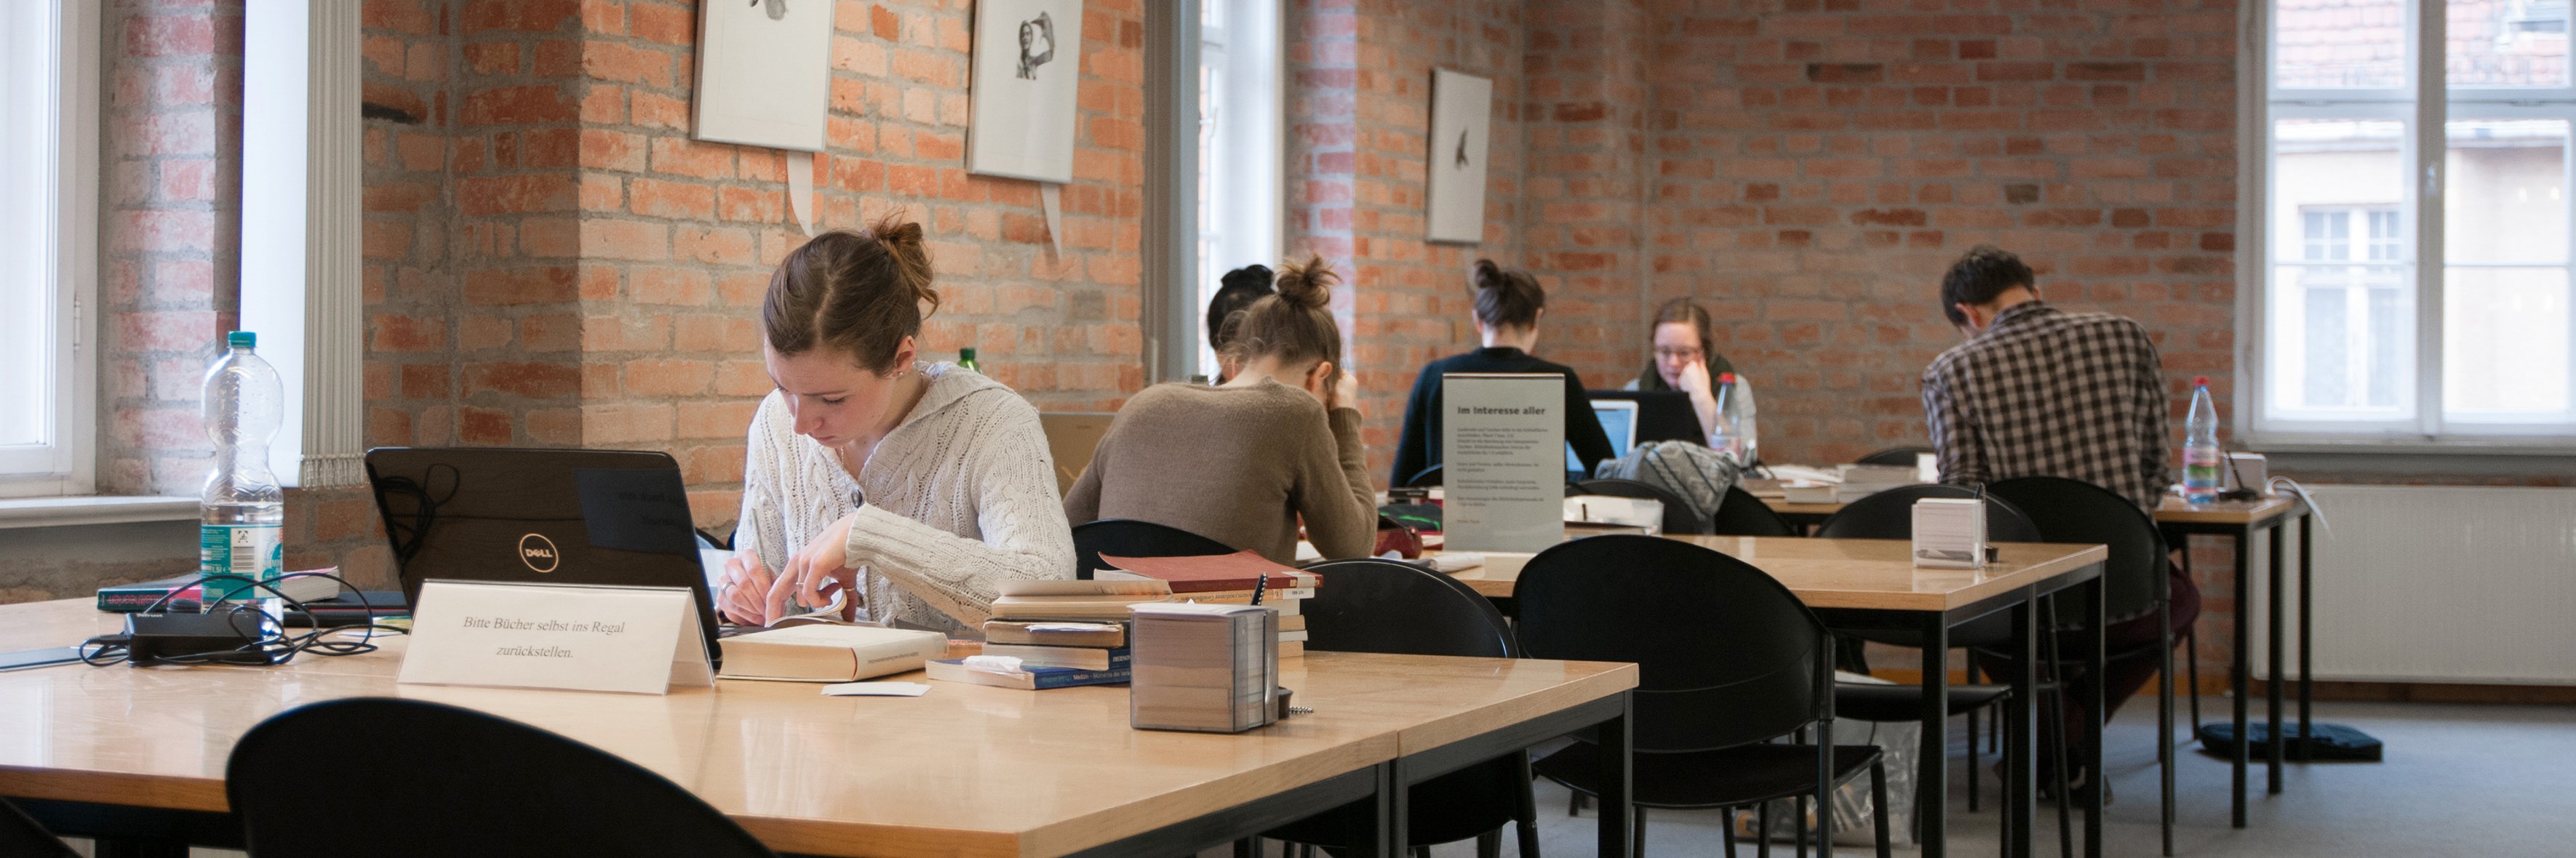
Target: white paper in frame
764	72
1462	119
1028	58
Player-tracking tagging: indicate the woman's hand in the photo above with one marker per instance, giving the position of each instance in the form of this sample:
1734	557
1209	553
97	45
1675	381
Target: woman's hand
1345	393
1703	395
824	559
742	593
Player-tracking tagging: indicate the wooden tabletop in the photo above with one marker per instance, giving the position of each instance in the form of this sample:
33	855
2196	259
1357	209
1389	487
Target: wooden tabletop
1870	574
965	770
2172	511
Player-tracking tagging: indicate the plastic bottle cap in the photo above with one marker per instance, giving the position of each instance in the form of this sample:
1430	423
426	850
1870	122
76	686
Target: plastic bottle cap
2200	381
241	340
1726	378
966	353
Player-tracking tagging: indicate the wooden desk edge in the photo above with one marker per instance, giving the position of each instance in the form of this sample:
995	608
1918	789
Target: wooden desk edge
117	788
1621	676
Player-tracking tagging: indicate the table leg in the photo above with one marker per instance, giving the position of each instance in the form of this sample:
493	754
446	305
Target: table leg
1617	808
1399	810
1383	807
2096	599
2021	730
2240	664
2275	682
1934	768
2307	547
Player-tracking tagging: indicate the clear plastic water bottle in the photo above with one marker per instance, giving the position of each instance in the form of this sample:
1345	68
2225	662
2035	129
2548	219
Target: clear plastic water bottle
1735	405
2200	454
242	514
1725	437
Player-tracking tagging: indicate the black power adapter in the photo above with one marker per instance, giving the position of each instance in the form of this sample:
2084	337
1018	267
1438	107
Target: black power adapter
224	637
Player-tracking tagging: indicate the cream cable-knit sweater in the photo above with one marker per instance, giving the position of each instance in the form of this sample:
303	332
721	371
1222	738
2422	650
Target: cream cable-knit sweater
959	495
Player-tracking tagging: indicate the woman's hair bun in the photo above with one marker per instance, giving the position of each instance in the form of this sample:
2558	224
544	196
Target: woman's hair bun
1308	283
1487	275
1254	278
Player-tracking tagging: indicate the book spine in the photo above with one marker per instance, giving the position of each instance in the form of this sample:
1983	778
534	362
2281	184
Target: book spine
896	656
1046	679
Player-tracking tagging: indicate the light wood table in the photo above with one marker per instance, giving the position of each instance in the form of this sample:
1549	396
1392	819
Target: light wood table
965	770
1873	584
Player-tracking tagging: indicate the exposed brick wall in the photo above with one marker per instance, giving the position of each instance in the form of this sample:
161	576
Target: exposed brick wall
1587	101
170	234
1359	126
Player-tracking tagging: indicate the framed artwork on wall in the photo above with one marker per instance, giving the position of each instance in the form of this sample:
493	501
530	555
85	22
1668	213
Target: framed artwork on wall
764	72
1462	123
1028	55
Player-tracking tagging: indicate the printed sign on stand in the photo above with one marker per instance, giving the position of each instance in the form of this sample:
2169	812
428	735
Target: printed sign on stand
562	636
1502	461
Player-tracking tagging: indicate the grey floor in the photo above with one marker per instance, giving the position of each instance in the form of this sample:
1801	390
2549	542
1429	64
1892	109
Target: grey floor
2458	780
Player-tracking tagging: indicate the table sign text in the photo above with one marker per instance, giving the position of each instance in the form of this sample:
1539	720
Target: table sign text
562	636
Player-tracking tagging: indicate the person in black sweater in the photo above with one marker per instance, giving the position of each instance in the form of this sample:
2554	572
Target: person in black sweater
1508	306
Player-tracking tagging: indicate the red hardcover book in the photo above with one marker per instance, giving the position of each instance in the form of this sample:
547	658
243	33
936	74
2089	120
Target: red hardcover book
1214	572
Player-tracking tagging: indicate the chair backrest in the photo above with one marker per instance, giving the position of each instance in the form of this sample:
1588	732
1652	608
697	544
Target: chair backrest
1127	537
2076	511
1742	514
1890	515
1726	656
1371	605
1426	477
21	835
1677	512
441	780
1894	456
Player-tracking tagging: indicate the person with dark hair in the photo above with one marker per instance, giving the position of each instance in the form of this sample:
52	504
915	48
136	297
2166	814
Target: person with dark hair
2037	391
914	486
1508	306
1243	462
1234	292
1686	360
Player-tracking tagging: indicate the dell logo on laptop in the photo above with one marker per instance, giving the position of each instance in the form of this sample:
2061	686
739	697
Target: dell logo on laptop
538	552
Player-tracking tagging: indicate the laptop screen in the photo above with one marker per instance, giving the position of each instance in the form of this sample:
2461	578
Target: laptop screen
1618	420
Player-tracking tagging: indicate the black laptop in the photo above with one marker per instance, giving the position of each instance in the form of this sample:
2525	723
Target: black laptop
548	516
1662	415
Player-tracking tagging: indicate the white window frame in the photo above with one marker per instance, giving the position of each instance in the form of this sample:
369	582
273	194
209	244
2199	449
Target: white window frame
301	288
62	38
1242	214
2424	112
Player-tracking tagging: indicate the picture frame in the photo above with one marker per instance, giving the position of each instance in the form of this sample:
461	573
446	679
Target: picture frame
1027	63
764	73
1462	124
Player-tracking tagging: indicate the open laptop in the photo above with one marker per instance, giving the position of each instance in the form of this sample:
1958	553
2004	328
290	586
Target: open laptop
1662	415
548	516
1619	421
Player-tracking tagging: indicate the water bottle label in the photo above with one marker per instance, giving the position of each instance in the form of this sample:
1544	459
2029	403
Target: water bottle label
254	551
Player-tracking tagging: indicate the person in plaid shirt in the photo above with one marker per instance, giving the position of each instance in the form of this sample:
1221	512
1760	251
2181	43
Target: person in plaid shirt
2038	391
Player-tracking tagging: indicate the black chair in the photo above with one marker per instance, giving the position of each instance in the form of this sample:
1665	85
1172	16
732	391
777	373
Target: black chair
447	781
2136	582
22	835
1677	512
1890	515
1728	661
1426	477
1742	514
1894	456
1127	537
1369	605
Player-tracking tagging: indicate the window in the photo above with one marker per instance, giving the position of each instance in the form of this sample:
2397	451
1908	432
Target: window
2416	266
48	196
1239	168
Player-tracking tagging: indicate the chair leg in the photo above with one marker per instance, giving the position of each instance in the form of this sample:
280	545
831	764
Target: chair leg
1490	844
1762	831
1798	825
1249	847
2164	724
2055	713
2191	655
1526	821
1878	801
1637	835
1728	830
1422	852
1574	805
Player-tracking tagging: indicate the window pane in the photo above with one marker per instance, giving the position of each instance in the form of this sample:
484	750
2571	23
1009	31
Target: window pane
26	292
2339	44
2504	343
2507	200
2341	343
2506	43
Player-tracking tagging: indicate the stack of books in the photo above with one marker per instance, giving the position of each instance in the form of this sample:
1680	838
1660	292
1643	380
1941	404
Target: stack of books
1228	579
1053	634
1210	668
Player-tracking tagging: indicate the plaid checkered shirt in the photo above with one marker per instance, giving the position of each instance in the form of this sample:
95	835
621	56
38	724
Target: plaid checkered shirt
2050	393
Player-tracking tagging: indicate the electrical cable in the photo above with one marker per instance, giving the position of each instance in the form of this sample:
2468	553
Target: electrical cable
272	645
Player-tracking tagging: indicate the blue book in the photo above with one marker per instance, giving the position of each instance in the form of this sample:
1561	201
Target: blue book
1030	678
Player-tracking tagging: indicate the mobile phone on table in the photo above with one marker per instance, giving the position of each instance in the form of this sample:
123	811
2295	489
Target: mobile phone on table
50	656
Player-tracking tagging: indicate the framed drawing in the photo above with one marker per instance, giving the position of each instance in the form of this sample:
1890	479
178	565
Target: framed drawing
764	72
1462	122
1028	54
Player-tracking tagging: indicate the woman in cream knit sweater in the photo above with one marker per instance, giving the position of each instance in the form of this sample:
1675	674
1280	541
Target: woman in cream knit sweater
913	486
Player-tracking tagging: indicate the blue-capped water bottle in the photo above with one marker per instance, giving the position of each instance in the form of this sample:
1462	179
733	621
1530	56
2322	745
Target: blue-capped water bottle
2200	454
242	514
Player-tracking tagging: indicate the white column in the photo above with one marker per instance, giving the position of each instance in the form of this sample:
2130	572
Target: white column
301	289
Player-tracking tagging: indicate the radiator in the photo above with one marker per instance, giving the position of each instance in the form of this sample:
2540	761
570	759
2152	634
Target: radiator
2439	584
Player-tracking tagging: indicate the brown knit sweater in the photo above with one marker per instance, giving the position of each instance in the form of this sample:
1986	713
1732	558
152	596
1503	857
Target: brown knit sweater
1238	465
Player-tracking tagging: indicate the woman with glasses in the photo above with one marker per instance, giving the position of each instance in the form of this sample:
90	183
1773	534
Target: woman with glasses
1686	359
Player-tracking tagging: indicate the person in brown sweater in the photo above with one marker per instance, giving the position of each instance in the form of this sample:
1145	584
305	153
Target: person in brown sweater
1242	462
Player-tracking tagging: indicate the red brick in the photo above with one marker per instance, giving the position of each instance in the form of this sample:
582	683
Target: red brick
681	156
521	378
683	200
519	105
